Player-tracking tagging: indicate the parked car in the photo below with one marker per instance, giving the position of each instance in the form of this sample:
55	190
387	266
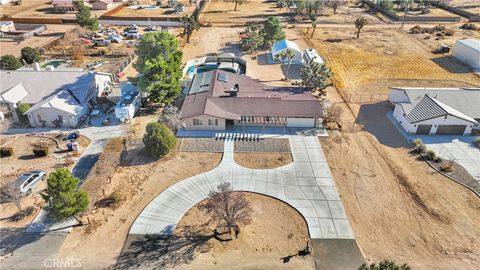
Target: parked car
108	32
132	35
152	29
29	181
115	38
101	42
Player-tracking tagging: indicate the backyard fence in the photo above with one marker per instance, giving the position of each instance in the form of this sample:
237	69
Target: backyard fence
365	98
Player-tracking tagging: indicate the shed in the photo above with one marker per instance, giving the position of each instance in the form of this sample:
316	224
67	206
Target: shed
102	4
468	51
285	44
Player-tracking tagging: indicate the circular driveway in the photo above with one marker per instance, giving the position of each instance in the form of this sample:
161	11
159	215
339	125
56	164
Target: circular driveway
305	184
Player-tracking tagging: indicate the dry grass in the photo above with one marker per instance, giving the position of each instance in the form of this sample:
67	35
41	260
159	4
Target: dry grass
220	13
385	58
263	160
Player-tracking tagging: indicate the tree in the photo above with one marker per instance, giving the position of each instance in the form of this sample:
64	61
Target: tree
63	198
158	139
312	9
334	4
252	38
9	62
285	57
171	117
384	265
11	193
316	77
21	109
272	31
30	55
238	2
227	209
360	22
190	24
296	7
84	17
332	114
159	62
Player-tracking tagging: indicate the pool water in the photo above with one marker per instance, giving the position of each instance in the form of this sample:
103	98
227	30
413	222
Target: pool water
54	63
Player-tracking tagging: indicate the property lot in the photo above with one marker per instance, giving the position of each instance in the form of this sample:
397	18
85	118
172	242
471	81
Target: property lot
221	13
38	9
146	10
382	58
433	41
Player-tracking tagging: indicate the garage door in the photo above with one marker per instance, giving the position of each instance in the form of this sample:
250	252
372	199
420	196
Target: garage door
424	129
301	122
451	129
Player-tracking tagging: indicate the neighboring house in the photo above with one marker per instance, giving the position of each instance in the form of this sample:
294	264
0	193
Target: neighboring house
468	51
436	111
218	100
63	5
7	26
56	97
283	45
102	4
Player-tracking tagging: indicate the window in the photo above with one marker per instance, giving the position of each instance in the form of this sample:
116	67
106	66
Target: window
39	117
197	122
60	118
213	122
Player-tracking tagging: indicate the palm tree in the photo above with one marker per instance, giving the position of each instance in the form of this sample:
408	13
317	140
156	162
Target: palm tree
190	24
360	22
285	57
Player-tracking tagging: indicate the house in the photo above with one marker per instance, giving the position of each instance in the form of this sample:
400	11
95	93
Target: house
7	26
102	4
436	111
283	45
468	51
64	5
57	98
219	100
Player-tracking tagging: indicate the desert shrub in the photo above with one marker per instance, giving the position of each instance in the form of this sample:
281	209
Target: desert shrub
425	11
386	4
23	213
446	168
416	142
470	26
421	149
438	160
40	150
6	151
158	139
449	32
384	265
431	155
111	201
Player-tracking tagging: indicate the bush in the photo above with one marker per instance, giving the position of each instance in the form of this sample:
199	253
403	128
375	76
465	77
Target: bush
421	149
9	62
158	139
30	55
438	160
476	142
6	152
431	155
446	168
23	213
449	32
416	142
40	151
111	201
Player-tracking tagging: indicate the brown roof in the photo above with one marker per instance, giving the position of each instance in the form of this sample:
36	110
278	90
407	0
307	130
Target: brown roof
211	94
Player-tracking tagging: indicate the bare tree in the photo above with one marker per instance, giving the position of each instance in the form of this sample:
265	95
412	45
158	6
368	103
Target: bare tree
10	193
171	117
360	22
332	114
334	4
227	209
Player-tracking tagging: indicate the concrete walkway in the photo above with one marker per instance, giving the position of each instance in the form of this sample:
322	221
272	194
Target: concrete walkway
306	184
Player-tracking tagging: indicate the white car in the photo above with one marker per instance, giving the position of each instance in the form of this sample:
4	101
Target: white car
29	181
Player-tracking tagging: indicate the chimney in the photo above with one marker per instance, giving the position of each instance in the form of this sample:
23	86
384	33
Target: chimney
36	66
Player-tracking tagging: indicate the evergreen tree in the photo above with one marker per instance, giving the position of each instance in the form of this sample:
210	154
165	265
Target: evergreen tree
159	62
84	17
30	55
9	62
272	31
63	198
158	139
190	24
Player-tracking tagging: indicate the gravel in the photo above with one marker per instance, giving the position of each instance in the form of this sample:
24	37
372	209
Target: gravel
201	145
264	145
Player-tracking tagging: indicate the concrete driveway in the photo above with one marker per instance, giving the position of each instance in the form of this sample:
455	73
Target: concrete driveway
306	184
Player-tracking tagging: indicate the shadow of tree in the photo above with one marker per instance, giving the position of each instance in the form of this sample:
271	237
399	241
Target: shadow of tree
160	251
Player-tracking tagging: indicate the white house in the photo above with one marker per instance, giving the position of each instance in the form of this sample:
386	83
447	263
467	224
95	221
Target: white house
7	26
57	98
436	111
468	51
129	103
102	4
285	44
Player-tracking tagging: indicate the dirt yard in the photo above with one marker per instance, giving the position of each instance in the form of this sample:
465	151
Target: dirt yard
221	13
136	181
263	160
38	9
432	41
379	59
276	231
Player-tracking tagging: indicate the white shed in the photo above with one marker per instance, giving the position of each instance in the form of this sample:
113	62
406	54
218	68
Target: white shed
468	51
285	44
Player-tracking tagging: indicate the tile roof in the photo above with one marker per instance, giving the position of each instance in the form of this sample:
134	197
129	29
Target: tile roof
243	96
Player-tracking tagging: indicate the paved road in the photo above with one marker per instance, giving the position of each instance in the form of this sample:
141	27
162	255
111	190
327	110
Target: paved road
306	184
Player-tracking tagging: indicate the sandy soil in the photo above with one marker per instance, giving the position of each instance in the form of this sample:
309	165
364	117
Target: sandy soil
385	58
262	160
9	46
432	42
221	13
276	231
39	9
137	180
